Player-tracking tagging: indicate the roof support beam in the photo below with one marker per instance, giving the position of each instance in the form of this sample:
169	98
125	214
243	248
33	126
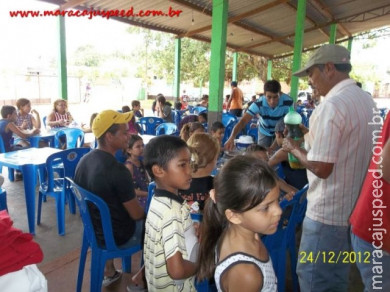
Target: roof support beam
71	4
325	11
309	19
234	20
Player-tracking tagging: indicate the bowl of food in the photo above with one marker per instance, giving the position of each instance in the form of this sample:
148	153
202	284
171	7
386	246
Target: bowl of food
243	142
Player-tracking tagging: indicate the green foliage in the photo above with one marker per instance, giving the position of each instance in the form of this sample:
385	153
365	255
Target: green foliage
87	56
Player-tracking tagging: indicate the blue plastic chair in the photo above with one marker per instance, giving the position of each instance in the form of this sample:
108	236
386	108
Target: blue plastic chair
199	109
227	118
254	133
3	199
148	125
74	138
167	129
190	108
177	115
283	239
44	120
99	254
11	176
151	188
228	131
58	187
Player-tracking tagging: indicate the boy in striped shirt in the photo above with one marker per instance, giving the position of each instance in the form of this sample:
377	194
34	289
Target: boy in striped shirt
170	241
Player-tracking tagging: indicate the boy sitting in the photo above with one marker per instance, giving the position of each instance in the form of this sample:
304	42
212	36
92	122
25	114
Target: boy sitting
8	127
169	233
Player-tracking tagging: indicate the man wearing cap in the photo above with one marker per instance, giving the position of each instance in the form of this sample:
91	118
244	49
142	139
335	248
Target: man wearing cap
337	151
271	107
235	101
100	173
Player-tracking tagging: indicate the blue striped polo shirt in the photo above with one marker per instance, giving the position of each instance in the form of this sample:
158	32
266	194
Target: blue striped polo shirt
270	116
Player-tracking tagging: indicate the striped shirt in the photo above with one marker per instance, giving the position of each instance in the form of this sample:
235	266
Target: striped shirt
340	133
168	226
270	116
67	117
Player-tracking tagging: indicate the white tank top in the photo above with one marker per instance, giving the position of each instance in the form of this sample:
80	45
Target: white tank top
269	278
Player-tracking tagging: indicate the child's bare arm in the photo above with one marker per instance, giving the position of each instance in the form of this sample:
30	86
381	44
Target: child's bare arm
22	134
288	189
179	268
278	157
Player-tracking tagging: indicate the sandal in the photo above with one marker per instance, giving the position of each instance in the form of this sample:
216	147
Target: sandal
108	280
136	288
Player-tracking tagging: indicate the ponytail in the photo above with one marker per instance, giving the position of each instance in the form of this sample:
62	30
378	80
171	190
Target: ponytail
185	132
213	225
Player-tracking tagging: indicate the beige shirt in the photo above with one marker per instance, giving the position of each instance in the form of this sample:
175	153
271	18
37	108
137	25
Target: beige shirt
340	133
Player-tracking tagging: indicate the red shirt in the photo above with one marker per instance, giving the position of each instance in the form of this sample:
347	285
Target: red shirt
371	216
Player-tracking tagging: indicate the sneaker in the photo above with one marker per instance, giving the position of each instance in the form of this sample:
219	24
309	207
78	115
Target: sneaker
18	176
108	280
136	288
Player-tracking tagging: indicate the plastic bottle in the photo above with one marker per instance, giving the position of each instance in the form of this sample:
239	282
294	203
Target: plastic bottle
292	121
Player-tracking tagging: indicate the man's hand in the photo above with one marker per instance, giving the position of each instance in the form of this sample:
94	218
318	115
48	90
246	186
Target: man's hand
290	144
229	145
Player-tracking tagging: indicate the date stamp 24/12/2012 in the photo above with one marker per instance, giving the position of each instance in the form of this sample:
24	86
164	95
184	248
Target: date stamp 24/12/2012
331	257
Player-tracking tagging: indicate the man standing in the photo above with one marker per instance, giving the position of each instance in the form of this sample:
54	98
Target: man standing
271	107
235	101
100	173
336	155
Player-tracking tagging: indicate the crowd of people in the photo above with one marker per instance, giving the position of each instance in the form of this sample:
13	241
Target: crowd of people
346	160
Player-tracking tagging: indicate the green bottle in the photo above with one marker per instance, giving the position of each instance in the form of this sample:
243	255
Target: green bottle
292	121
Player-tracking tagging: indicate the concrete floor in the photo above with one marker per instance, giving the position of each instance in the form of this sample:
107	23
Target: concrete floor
61	253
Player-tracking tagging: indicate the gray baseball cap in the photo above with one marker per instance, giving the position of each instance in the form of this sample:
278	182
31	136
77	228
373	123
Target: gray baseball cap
327	53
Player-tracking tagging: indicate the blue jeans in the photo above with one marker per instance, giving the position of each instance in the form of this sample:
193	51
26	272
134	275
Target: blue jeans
379	281
137	237
319	266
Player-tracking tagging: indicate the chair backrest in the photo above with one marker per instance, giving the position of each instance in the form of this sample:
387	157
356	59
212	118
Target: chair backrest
2	148
74	137
69	158
283	239
254	133
151	188
85	199
228	131
149	124
199	109
227	118
284	233
177	117
44	120
190	108
166	129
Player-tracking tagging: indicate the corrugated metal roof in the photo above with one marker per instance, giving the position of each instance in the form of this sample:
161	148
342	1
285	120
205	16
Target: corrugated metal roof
260	27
